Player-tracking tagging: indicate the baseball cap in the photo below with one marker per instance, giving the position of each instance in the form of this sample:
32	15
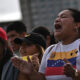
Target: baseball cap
3	34
32	38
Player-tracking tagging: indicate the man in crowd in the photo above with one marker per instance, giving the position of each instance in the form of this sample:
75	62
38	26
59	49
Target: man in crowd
14	30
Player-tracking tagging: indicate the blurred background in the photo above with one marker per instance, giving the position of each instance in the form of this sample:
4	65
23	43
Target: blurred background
33	12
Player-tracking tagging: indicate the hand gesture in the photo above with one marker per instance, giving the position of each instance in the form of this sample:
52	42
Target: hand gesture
35	62
69	71
24	66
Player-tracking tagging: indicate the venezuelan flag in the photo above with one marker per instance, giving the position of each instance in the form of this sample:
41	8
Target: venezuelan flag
55	63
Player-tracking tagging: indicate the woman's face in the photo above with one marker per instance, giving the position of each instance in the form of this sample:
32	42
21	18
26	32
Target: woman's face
64	25
27	49
1	50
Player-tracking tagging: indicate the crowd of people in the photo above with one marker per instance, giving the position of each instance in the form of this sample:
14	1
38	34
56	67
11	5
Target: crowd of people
40	55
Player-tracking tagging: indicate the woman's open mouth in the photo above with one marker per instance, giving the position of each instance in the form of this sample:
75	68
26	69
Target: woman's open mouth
57	27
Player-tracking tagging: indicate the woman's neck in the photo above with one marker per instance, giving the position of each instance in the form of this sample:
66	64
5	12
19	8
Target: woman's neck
69	40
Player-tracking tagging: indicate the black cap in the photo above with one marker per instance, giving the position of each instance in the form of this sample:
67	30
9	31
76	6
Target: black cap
32	38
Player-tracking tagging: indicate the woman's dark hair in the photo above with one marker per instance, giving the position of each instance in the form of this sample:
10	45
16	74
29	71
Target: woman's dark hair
42	30
41	52
75	14
7	54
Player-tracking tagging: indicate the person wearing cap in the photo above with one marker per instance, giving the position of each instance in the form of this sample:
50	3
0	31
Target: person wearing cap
31	44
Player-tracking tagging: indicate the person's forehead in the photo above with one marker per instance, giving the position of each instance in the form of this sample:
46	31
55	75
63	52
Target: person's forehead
12	33
65	12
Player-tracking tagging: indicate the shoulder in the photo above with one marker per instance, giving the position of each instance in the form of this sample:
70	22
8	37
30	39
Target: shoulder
52	46
47	51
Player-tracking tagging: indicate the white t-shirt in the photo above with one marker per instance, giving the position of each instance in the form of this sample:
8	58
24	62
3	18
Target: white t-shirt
52	62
